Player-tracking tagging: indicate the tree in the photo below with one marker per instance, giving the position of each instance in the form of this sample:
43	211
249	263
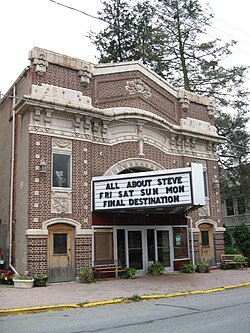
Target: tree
169	36
241	236
129	34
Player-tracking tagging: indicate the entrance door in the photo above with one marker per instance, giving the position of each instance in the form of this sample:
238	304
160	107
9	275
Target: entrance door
61	253
135	253
163	248
206	243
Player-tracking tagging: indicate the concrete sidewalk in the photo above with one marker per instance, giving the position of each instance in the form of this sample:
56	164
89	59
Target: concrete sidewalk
75	294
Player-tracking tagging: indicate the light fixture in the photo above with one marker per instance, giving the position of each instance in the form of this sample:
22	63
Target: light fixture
42	167
216	184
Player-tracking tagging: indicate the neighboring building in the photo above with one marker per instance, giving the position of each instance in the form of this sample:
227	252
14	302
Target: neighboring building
105	161
235	211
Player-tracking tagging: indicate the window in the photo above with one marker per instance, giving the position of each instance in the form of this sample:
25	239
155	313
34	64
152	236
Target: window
241	205
61	170
205	183
60	243
180	242
103	245
204	238
230	207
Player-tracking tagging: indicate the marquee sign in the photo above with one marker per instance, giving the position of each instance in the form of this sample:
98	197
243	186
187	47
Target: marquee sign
154	189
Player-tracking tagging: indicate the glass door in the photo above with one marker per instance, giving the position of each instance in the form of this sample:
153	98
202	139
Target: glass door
163	248
135	253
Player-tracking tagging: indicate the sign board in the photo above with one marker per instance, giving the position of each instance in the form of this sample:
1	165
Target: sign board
153	189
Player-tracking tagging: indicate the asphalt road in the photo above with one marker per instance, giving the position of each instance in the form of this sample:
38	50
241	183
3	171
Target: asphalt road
226	311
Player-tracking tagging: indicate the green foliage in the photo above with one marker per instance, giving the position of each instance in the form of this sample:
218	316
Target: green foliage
187	268
241	236
242	261
40	276
231	250
227	237
22	277
203	267
135	298
156	268
130	273
86	275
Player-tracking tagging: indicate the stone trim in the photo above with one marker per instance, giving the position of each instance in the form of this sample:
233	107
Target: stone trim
133	163
208	221
43	232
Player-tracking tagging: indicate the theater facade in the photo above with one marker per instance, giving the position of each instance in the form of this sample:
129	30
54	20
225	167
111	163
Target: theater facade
106	162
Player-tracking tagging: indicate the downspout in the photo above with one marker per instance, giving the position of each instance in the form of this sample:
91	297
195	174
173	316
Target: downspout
192	237
12	179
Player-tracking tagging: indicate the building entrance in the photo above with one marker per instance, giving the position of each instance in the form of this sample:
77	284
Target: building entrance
138	248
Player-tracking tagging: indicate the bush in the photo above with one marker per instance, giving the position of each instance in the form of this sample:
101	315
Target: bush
86	275
203	267
187	268
156	268
232	250
129	273
241	236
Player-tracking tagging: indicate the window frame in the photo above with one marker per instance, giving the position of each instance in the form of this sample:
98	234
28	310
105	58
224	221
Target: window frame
69	173
179	246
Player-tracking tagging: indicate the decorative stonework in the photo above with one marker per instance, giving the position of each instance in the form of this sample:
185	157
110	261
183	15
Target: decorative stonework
140	140
133	163
197	126
211	109
138	87
62	144
61	202
85	76
41	64
185	104
205	210
61	96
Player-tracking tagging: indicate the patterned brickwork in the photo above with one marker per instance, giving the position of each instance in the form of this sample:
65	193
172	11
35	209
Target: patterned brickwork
83	253
219	245
37	255
40	184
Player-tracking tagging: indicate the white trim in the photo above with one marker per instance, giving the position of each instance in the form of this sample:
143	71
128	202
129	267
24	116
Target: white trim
208	221
43	232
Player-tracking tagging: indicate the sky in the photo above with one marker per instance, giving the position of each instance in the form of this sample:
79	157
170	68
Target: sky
25	24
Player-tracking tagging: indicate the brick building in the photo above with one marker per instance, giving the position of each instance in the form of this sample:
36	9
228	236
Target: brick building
103	162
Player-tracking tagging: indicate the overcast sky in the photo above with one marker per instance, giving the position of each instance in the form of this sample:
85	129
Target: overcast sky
25	24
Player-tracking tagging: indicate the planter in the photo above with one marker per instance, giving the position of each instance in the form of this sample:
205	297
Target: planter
25	284
2	261
40	282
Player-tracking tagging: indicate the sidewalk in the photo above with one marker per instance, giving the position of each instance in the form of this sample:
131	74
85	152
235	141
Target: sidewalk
72	294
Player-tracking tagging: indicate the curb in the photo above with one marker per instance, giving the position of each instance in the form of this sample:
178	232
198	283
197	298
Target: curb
115	301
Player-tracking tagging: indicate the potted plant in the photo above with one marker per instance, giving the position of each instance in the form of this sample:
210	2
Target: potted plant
86	275
40	280
129	273
156	268
203	267
23	281
187	268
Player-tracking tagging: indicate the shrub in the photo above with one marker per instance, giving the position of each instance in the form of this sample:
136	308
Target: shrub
156	268
86	275
203	267
187	268
241	236
232	250
130	273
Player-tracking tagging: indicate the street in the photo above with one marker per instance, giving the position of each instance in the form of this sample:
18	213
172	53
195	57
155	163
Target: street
226	311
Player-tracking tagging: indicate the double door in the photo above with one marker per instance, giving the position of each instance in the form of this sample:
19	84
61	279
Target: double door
136	248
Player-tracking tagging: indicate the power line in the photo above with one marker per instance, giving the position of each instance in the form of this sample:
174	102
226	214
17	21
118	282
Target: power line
78	10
